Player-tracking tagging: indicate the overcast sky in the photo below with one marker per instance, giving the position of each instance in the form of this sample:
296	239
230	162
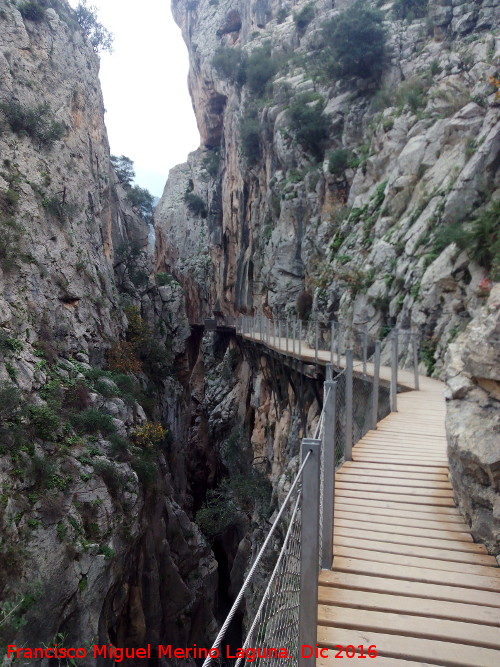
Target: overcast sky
149	115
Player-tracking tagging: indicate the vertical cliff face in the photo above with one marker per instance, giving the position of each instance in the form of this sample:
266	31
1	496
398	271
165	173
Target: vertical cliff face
363	213
96	543
371	183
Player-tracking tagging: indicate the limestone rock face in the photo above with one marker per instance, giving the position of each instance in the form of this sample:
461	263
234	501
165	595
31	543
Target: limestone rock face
421	156
99	545
473	422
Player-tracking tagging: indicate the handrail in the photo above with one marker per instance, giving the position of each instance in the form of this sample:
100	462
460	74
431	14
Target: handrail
249	576
350	408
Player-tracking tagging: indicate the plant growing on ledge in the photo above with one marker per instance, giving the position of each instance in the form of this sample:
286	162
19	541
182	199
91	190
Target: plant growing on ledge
354	43
99	37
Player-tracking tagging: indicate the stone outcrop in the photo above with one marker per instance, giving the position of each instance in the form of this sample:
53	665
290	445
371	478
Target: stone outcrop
473	422
424	155
97	542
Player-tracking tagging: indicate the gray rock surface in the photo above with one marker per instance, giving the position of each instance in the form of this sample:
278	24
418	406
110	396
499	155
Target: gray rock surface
473	422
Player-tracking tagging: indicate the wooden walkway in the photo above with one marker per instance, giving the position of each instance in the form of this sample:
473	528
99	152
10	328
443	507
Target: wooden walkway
407	576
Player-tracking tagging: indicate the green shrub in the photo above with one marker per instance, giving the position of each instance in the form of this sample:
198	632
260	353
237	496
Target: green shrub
304	16
281	15
211	162
230	64
58	207
412	93
99	37
195	204
110	474
11	233
309	124
10	400
44	421
261	67
354	42
124	169
33	11
250	137
142	200
410	9
480	238
338	161
92	421
37	122
165	279
9	344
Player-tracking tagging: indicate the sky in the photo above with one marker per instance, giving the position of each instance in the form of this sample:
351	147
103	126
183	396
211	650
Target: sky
149	115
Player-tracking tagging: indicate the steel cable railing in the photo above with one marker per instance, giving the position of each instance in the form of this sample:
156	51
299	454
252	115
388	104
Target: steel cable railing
286	616
294	487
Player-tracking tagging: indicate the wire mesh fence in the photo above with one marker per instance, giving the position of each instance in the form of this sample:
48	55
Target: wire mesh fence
273	632
353	402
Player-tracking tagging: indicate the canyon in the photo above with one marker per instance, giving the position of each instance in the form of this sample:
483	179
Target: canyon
132	440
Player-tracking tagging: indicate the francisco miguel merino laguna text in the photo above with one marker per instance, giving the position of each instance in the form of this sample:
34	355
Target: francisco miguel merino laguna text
118	654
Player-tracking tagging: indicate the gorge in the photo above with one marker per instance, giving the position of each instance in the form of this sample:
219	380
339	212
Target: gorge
141	456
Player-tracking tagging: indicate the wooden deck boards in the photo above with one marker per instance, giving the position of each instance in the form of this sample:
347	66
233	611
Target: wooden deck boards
407	576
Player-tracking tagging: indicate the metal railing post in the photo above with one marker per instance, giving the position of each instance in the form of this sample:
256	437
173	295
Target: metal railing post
287	334
300	338
415	362
339	345
309	551
316	341
329	372
376	377
328	474
279	336
332	341
260	327
348	405
294	331
394	371
365	350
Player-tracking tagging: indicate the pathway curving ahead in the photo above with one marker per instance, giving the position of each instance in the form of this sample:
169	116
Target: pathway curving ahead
407	576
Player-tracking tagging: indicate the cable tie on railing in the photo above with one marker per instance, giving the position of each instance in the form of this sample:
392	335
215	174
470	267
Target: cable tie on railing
239	597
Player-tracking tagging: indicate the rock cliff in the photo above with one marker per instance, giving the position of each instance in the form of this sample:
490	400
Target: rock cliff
369	182
96	543
362	215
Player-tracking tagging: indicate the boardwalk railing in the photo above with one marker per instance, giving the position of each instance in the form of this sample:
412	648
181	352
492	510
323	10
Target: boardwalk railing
286	616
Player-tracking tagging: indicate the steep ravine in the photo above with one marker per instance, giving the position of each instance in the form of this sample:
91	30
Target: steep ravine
131	440
370	185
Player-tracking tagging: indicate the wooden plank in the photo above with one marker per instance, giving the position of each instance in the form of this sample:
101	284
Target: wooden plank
366	457
359	469
358	521
486	604
450	557
407	498
389	481
411	572
448	654
413	508
401	554
387	517
441	470
382	661
410	626
477	551
355	599
376	487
